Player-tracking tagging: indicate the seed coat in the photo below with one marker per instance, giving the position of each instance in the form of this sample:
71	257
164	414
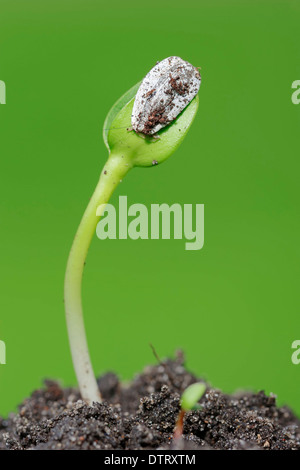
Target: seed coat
164	93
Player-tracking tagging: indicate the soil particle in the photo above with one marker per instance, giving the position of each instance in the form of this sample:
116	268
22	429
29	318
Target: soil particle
142	415
178	86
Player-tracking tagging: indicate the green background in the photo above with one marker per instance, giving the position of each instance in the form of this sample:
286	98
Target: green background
233	307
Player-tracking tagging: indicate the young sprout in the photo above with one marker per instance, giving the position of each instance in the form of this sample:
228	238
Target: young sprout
188	402
129	146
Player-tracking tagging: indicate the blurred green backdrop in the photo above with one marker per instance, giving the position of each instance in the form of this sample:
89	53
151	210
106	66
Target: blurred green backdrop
233	307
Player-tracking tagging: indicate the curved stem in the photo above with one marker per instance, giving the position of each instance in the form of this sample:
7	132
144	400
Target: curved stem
113	172
178	432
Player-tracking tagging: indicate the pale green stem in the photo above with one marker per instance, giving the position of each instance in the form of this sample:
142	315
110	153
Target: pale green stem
113	172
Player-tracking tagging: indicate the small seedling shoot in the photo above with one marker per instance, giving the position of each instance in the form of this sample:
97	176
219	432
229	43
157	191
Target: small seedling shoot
188	402
144	127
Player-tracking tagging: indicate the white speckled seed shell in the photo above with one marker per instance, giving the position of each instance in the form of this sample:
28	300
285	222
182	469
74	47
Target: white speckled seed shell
164	93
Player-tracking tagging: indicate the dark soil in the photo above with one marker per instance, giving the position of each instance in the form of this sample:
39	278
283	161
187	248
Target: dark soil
142	415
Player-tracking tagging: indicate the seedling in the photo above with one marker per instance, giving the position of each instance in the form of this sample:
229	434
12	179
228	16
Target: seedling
189	400
127	149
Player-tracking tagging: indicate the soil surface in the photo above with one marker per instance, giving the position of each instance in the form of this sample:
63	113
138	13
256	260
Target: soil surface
142	415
